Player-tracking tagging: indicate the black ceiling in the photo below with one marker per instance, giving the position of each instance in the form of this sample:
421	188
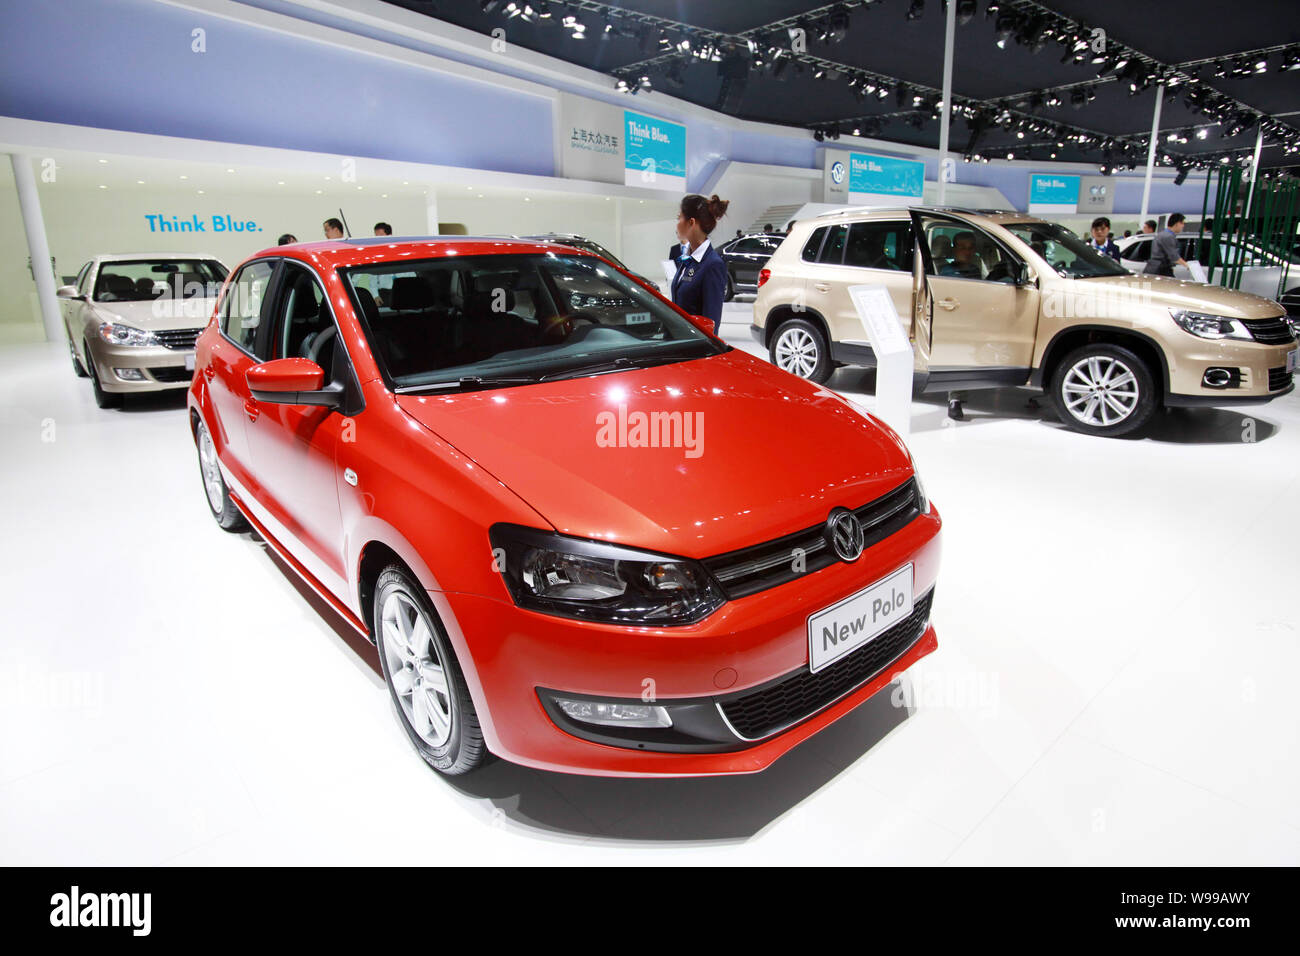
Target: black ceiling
883	42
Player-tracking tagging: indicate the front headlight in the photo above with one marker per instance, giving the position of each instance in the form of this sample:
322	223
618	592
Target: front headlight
114	333
595	581
1208	326
922	499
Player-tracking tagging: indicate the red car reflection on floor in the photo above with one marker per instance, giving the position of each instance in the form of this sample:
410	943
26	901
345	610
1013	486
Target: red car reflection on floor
584	534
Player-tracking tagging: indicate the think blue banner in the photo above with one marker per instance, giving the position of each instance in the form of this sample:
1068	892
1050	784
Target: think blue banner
654	146
1052	190
886	176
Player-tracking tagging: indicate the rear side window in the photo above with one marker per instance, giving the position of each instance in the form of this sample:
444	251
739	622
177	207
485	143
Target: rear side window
241	310
813	245
880	245
1138	252
833	247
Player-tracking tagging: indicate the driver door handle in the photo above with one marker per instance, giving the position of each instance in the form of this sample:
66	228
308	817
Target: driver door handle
821	287
252	410
948	304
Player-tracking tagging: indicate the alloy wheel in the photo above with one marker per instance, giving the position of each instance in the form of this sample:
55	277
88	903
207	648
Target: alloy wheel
418	676
1100	391
796	352
212	482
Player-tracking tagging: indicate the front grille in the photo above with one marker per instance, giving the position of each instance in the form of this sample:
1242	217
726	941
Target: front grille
178	339
171	373
764	711
1278	378
1270	331
766	565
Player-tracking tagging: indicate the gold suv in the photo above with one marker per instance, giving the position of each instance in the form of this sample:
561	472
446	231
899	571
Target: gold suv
996	299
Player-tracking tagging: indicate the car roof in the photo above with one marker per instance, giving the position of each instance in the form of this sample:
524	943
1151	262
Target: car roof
340	253
871	212
133	256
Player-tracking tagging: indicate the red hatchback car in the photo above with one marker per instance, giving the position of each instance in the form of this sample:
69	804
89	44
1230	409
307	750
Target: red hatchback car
584	534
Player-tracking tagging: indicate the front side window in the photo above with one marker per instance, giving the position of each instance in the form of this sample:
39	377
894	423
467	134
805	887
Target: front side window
880	245
1065	252
512	319
241	309
143	280
959	251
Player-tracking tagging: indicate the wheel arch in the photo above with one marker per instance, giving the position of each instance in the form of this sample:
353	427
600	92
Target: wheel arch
1067	340
779	315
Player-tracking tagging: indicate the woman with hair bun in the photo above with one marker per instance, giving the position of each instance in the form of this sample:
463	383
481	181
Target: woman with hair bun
701	281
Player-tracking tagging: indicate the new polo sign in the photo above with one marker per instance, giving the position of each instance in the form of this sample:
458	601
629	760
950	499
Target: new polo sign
1051	193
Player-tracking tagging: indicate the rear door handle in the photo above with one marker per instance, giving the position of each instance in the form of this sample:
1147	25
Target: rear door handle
948	304
821	287
208	372
251	409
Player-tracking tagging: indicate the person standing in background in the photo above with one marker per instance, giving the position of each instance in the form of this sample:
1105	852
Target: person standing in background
1101	240
1149	227
333	229
287	239
383	229
701	281
1164	248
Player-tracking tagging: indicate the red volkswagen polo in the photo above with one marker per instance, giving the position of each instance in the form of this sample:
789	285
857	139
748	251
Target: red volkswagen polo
584	534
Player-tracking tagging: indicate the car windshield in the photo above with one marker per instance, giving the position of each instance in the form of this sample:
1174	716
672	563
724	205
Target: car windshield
1065	252
479	321
586	245
141	280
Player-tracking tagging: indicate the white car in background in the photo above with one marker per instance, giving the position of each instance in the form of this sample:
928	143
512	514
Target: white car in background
1260	272
132	319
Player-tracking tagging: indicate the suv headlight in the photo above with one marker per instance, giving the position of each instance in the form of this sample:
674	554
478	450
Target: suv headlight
115	333
1208	326
595	581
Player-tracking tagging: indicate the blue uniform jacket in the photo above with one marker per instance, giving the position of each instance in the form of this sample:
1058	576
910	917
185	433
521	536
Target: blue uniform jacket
699	287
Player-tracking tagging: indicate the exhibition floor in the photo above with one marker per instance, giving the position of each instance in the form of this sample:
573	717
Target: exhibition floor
1117	634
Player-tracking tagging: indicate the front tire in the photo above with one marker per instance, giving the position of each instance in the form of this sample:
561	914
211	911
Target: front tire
223	509
102	398
1104	389
423	676
731	288
798	347
78	369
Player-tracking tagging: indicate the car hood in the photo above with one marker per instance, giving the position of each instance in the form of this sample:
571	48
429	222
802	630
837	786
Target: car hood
769	454
159	314
1183	294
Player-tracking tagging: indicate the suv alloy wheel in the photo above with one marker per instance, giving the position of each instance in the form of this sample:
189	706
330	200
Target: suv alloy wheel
1103	389
800	349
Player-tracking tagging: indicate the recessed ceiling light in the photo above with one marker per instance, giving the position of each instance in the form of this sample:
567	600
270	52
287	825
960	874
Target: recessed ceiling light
200	192
184	177
361	187
528	199
319	191
102	186
103	160
140	182
383	195
280	183
230	170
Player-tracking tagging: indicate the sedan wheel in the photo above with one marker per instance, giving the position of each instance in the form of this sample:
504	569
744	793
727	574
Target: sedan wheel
77	367
224	511
424	678
102	398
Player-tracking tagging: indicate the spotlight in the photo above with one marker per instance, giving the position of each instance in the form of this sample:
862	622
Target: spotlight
916	10
966	10
1181	177
488	6
1005	27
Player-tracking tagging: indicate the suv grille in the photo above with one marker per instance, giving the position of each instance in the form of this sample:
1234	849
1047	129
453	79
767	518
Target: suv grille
766	565
178	339
766	710
1278	378
1270	331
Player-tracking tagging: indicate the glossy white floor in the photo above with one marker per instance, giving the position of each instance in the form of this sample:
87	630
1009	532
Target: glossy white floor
1114	681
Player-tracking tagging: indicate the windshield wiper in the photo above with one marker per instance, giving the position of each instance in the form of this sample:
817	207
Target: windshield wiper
467	383
618	365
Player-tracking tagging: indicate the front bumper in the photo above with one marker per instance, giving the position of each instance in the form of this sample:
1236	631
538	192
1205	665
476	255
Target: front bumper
159	367
516	657
1260	372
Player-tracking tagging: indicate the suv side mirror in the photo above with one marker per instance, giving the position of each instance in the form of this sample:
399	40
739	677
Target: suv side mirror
292	381
1021	273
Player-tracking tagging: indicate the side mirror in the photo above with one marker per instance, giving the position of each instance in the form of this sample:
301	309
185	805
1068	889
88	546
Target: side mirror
292	381
702	323
1021	273
67	292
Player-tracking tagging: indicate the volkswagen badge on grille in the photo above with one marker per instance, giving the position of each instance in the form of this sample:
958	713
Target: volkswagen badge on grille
844	534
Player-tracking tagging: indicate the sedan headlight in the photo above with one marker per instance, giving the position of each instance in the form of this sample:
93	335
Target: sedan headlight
114	333
595	581
922	499
1208	326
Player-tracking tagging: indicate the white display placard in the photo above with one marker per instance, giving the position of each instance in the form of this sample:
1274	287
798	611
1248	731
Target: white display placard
893	351
1197	270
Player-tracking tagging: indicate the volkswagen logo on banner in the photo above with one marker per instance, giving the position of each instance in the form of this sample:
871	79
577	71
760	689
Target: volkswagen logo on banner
837	172
844	534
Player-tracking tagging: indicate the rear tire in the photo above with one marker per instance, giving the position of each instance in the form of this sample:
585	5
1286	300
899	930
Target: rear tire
1104	389
102	398
224	512
798	347
731	288
424	678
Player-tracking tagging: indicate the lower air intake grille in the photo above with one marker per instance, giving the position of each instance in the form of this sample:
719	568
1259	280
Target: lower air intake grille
765	710
1278	378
